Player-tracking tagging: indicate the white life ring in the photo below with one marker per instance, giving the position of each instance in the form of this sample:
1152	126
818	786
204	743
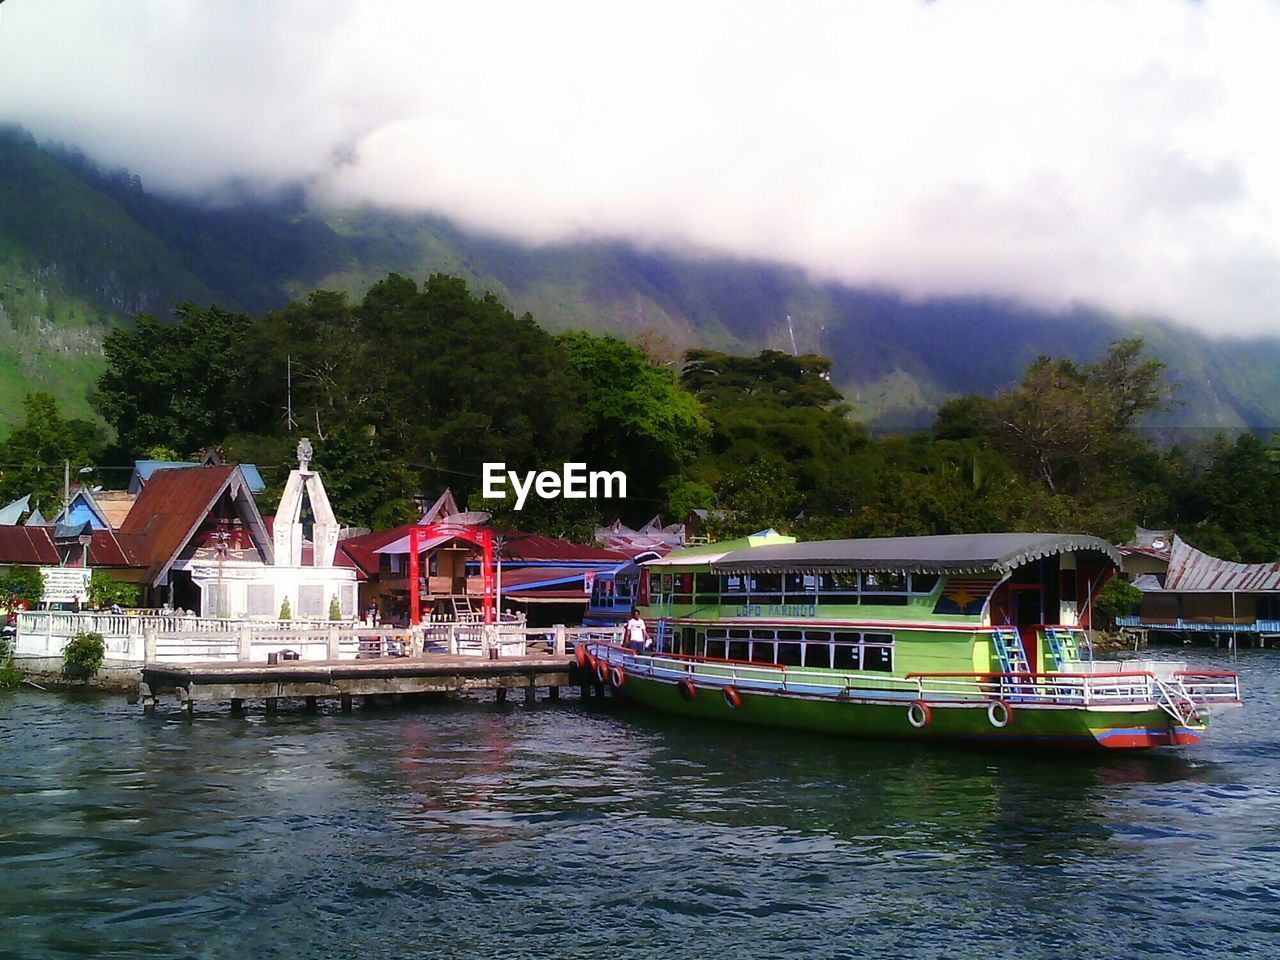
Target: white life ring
999	713
919	715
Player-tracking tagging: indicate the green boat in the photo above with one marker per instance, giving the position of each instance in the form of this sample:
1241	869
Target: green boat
976	639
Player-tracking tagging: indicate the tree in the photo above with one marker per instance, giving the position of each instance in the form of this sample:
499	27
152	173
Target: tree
183	385
1231	508
36	452
636	417
106	591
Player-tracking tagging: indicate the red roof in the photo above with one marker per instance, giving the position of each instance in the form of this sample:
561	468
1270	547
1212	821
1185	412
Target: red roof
171	508
32	546
36	546
533	547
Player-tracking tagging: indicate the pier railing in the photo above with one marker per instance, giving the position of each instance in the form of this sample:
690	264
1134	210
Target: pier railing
172	638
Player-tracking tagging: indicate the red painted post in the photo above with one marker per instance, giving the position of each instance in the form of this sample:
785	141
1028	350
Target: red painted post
415	597
490	586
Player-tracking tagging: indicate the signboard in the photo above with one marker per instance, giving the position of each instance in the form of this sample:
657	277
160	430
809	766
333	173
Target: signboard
65	584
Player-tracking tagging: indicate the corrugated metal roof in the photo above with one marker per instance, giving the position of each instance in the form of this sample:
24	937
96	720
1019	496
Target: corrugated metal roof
171	508
959	553
1193	571
31	546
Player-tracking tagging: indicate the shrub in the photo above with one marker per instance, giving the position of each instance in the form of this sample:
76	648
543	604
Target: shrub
335	608
1117	599
21	583
10	676
286	611
83	654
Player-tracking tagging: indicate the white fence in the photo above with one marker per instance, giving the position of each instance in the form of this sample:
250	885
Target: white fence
133	640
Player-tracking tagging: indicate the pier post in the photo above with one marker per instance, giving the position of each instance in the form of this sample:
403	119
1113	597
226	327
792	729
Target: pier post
502	694
272	706
553	693
149	645
311	704
244	643
334	644
237	706
346	703
530	692
453	639
148	699
559	647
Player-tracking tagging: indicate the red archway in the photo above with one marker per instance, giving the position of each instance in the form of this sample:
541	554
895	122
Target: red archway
480	536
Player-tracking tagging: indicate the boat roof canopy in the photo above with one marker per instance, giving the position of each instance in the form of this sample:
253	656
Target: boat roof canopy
958	553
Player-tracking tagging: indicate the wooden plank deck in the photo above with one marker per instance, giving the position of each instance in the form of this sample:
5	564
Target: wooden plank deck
312	680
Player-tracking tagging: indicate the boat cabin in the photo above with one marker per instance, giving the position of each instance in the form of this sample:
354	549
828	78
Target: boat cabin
1008	602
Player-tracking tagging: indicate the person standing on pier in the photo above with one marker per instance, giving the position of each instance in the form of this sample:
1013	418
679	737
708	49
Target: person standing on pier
636	633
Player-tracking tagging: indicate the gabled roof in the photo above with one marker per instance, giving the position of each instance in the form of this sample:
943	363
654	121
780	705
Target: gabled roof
173	505
960	553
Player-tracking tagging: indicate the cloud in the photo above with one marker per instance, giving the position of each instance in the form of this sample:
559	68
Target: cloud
1113	153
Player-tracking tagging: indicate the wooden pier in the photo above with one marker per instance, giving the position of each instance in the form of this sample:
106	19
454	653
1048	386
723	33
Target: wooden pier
345	680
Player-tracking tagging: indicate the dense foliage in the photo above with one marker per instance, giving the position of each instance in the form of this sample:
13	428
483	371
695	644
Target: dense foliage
21	584
416	386
106	591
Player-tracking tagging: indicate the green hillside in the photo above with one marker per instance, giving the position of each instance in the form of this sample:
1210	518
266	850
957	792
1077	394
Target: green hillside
82	249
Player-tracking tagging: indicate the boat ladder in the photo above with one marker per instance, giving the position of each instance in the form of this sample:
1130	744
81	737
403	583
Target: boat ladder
662	641
1062	645
1175	701
1012	657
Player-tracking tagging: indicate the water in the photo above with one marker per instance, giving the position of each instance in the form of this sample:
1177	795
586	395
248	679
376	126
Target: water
565	830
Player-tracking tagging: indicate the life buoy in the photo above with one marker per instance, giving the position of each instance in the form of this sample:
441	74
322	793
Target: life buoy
581	656
602	671
687	689
617	677
732	697
919	715
999	713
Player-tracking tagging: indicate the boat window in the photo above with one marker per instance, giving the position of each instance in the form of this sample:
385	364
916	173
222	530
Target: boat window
762	634
884	588
765	587
688	640
1068	586
738	633
817	655
789	635
701	650
800	585
820	636
739	650
846	657
848	638
789	654
716	649
840	587
734	583
716	633
762	652
706	587
877	658
923	582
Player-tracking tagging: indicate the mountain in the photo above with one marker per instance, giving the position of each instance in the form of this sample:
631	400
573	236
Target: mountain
82	248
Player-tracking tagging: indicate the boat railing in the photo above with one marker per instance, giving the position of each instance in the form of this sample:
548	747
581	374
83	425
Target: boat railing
1184	691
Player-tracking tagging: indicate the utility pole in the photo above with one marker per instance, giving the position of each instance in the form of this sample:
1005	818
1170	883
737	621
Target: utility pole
66	491
288	375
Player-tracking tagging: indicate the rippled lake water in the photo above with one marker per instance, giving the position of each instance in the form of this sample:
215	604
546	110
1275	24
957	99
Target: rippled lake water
572	830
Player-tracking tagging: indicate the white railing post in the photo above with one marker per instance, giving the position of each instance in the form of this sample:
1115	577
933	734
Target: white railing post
334	644
453	639
48	634
558	647
244	643
149	645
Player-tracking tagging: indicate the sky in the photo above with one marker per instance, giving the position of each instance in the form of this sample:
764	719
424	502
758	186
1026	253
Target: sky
1120	155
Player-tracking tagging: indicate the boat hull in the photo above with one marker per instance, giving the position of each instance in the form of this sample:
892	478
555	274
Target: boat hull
1023	725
